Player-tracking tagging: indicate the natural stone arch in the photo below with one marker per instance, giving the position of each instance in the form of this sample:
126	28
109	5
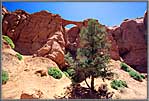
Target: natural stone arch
69	26
67	22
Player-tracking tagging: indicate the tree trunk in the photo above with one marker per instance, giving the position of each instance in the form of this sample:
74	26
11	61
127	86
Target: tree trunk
92	83
87	84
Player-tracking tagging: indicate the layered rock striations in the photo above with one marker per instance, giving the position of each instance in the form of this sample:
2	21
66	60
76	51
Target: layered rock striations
44	34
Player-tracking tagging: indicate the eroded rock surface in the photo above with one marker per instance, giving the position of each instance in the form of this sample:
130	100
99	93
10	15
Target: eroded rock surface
44	34
72	37
4	10
32	32
131	40
29	79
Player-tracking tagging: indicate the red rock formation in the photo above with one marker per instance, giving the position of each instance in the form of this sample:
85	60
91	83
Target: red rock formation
73	41
114	52
67	22
4	10
145	19
130	38
43	34
72	37
40	33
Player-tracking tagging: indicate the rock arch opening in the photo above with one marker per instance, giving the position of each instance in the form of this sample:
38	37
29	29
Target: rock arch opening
70	26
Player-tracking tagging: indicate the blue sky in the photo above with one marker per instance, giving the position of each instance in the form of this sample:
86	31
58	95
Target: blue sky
108	13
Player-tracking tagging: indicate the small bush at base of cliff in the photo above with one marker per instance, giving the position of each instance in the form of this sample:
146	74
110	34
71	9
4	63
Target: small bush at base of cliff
135	75
125	67
66	74
5	77
117	84
131	72
55	72
19	56
142	76
9	41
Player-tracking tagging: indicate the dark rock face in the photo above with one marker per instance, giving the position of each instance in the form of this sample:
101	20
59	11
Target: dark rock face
145	19
44	34
72	37
130	38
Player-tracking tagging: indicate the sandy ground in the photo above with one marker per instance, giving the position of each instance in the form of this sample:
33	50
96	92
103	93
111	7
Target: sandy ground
25	80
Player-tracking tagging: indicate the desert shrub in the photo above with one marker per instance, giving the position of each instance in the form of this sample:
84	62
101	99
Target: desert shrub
9	41
117	84
131	72
70	72
125	67
19	56
135	75
55	72
5	77
142	76
66	74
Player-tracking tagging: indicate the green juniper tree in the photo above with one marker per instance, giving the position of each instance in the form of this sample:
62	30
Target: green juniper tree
93	54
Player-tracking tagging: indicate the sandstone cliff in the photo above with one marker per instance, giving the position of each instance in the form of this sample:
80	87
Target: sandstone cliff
43	39
44	34
130	38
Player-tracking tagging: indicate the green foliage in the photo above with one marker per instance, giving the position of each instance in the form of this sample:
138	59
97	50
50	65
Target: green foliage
135	75
5	77
66	74
142	76
131	72
75	79
117	84
19	56
55	72
9	41
125	67
71	72
93	55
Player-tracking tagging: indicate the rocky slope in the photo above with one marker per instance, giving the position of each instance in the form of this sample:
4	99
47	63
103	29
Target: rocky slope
28	79
44	34
43	40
